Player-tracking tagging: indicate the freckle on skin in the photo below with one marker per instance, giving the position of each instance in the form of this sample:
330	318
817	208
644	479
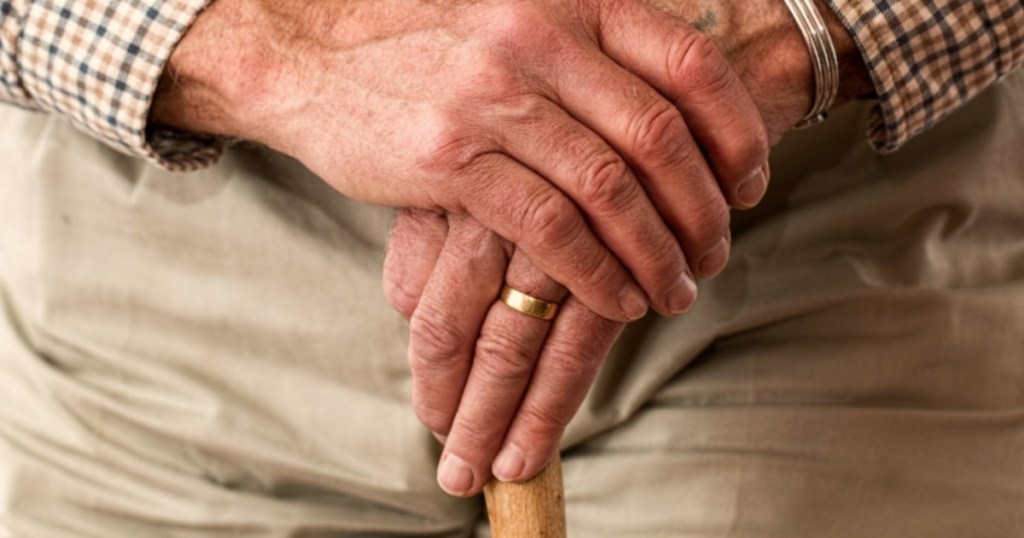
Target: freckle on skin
707	21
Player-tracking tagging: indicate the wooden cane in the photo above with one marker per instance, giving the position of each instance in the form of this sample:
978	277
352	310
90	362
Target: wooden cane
533	509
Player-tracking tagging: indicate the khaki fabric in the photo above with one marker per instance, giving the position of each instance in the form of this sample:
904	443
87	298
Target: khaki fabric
210	355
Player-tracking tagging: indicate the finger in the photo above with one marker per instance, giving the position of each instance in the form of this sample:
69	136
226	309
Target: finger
502	365
649	131
686	66
585	167
529	211
578	342
414	245
444	327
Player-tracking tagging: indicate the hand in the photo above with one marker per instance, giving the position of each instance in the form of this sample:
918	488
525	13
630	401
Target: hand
480	376
559	124
459	297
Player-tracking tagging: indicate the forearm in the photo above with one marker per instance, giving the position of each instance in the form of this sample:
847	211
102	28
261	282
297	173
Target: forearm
219	66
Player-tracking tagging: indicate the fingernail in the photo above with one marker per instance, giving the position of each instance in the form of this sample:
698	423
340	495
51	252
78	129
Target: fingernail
440	438
454	476
633	302
715	259
753	188
509	464
682	296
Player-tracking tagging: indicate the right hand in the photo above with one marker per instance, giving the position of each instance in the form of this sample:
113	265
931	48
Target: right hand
598	137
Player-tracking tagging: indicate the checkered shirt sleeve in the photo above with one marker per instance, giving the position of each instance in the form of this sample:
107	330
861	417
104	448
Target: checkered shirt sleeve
928	57
97	63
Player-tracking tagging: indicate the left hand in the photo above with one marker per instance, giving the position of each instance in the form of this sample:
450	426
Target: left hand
491	379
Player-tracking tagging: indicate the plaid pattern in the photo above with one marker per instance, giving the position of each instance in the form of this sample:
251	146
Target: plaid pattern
927	57
97	62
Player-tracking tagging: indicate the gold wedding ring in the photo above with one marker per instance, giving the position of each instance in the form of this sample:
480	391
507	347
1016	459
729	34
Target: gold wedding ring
528	304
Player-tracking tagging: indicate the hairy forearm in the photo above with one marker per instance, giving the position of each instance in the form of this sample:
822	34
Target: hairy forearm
218	78
209	71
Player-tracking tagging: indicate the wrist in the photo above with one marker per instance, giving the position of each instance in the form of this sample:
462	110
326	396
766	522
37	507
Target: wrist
218	74
766	47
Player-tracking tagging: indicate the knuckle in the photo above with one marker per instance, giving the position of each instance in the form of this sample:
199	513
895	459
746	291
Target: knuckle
503	357
694	58
433	341
515	19
524	108
553	226
542	424
594	274
478	249
575	360
684	155
468	240
451	145
399	296
608	183
657	131
550	220
518	25
411	223
496	83
478	434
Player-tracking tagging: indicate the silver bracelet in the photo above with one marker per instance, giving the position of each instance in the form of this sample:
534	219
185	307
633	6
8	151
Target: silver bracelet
823	59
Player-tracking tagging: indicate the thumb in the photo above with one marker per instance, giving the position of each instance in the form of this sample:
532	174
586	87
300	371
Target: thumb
414	245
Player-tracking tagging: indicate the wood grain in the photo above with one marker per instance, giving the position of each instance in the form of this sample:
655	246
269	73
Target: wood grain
533	509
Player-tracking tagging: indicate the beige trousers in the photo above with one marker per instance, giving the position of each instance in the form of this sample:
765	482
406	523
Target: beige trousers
210	355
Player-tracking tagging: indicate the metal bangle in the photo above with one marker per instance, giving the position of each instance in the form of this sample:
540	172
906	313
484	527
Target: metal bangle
824	60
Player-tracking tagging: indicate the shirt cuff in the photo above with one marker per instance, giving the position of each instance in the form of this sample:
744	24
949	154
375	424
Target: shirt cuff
929	57
12	14
98	64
